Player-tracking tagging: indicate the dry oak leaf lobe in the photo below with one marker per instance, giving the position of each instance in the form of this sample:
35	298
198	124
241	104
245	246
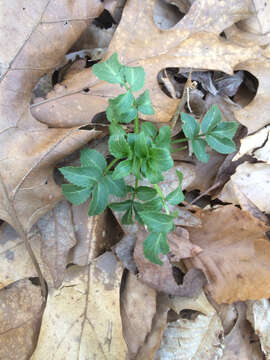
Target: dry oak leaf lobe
235	256
35	38
193	42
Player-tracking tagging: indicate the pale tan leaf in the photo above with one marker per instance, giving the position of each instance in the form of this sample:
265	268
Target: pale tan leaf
258	23
235	250
199	339
258	314
184	45
138	307
248	116
82	318
253	180
20	316
199	303
239	342
256	145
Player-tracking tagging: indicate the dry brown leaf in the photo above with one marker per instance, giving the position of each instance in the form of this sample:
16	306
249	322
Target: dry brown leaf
239	342
161	277
258	316
198	339
94	234
82	318
124	251
138	307
20	316
184	45
58	237
249	116
253	180
35	37
235	255
246	39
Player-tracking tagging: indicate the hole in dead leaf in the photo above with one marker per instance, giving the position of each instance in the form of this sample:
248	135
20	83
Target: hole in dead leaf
166	15
105	20
86	90
189	314
238	89
178	275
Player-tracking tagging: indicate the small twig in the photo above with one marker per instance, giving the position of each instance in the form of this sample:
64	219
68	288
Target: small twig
20	230
203	194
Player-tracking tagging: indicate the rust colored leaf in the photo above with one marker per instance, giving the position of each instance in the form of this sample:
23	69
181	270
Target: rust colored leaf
235	255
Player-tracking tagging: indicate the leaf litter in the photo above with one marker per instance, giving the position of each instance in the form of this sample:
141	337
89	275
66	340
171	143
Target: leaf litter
223	250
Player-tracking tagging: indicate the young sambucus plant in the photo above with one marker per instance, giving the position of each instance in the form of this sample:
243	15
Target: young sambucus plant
143	154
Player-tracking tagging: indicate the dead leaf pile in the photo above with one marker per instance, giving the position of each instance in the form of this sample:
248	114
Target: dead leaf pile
69	289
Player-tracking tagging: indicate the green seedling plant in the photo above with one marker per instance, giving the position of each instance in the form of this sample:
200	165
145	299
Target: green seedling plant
141	154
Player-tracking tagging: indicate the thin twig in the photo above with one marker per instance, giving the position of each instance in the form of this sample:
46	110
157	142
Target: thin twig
203	194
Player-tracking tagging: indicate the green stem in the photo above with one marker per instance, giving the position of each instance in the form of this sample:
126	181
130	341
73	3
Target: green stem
136	124
179	141
158	189
179	149
110	166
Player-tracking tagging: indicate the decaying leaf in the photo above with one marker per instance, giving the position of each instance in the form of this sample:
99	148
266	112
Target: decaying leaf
196	339
138	307
20	316
253	180
235	256
82	318
239	343
194	42
258	316
161	277
259	22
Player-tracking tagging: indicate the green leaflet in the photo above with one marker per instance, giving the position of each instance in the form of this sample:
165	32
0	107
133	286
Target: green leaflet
99	201
110	70
122	170
221	145
211	119
149	129
91	157
144	103
115	187
83	177
119	147
177	196
190	126
156	243
198	147
157	221
146	193
135	77
75	194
